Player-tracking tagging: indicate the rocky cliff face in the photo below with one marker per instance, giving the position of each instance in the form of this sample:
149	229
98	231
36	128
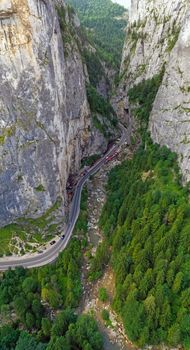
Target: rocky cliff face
159	35
152	33
44	114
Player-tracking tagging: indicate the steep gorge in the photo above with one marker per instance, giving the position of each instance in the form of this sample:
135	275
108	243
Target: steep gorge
48	116
45	124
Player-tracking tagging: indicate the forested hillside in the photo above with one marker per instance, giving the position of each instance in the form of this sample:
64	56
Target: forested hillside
146	223
37	307
105	23
146	220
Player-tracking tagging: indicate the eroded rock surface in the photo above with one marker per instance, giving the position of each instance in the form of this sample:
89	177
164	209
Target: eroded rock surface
170	118
158	36
44	114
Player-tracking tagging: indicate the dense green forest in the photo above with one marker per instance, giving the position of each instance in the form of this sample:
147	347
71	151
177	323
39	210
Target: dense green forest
37	307
146	223
105	24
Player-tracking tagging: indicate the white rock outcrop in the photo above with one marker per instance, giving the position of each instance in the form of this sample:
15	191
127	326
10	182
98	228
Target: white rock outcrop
170	118
159	35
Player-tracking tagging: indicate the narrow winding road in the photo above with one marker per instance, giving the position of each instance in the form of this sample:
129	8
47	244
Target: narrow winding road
52	253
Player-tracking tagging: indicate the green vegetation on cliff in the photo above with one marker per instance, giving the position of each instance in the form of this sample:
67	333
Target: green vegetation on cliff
146	223
105	23
94	66
28	234
141	99
37	306
99	106
99	83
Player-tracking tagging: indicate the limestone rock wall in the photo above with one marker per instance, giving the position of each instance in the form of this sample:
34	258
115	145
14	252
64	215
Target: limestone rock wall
44	113
152	32
159	35
170	117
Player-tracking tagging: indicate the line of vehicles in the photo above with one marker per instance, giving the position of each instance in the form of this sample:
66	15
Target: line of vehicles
112	156
53	242
73	179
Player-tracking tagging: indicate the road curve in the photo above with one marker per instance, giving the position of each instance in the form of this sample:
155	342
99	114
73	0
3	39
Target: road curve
52	253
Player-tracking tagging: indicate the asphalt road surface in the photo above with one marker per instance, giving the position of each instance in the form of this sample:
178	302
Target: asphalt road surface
52	253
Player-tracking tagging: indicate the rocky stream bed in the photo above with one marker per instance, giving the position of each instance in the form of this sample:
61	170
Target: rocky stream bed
113	334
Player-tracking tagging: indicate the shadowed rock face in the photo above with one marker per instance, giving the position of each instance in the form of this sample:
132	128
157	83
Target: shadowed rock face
44	114
159	34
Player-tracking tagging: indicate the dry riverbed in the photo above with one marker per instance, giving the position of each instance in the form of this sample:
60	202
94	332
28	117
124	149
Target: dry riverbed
113	333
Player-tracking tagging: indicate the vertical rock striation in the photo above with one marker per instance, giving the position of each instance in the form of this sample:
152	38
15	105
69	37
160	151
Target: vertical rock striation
170	118
44	113
158	36
152	33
